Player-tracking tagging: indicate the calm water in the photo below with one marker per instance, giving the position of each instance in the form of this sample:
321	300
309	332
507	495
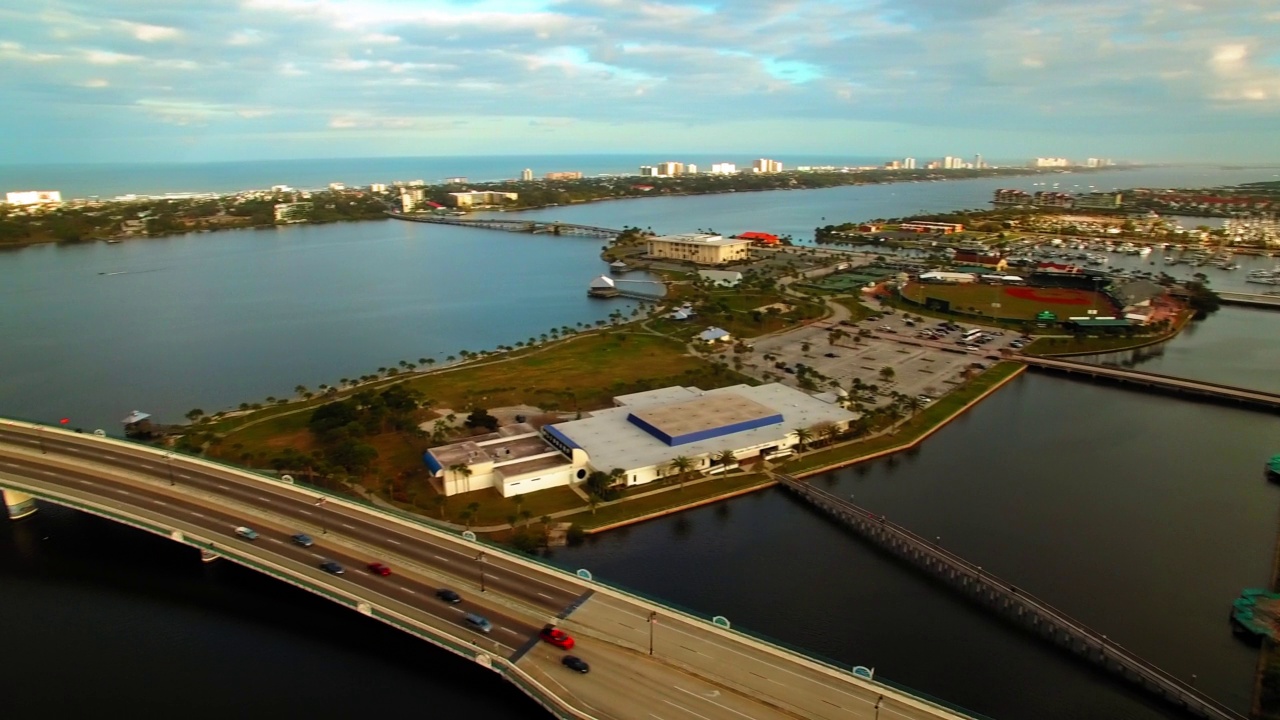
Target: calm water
216	319
1141	514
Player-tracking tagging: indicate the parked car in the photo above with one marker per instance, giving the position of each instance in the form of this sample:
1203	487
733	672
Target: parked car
830	355
332	567
449	596
575	663
557	637
378	568
303	540
247	533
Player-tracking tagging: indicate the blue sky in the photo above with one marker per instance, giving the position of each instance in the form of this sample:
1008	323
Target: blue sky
117	80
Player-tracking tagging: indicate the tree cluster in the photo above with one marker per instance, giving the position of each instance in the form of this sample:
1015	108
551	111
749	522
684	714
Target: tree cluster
341	428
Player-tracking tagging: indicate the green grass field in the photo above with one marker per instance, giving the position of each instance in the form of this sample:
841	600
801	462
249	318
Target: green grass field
1007	302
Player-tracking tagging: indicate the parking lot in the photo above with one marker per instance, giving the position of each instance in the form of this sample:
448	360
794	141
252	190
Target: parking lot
920	366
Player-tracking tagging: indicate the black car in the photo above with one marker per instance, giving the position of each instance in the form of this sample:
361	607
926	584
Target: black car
330	566
831	355
575	663
449	596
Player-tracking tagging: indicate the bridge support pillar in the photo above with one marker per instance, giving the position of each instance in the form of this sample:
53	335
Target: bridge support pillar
19	504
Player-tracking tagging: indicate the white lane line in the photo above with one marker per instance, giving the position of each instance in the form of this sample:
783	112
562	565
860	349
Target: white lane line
513	632
713	702
441	557
160	502
193	512
393	542
305	512
223	487
546	596
349	527
681	707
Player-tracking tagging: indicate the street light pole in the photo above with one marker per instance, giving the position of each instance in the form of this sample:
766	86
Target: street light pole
878	701
40	438
653	619
480	559
168	461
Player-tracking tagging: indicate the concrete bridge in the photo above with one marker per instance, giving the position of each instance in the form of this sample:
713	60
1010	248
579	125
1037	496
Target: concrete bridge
1166	383
647	659
1007	600
1250	299
522	226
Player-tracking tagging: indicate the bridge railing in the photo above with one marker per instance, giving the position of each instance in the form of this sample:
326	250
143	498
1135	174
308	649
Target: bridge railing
843	668
1011	591
538	693
1138	374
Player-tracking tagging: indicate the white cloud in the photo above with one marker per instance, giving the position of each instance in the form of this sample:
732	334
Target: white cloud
245	37
149	33
107	57
94	83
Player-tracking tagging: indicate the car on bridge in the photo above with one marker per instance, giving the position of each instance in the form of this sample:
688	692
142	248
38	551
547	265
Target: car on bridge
449	596
378	568
478	623
557	637
247	533
303	539
331	567
576	664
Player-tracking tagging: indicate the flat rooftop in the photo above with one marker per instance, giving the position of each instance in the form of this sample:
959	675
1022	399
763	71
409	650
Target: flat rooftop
611	439
510	442
707	416
700	239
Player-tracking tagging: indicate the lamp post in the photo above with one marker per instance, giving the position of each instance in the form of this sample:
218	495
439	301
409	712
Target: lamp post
878	701
653	619
480	560
168	461
40	439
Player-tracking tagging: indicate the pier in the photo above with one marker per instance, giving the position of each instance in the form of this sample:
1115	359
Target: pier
1166	383
1250	299
533	227
1006	600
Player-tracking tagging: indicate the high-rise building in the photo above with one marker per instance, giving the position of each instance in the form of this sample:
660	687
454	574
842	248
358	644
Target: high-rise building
1051	162
564	175
378	188
723	168
33	197
526	174
909	164
670	168
978	164
892	165
690	169
764	165
648	171
407	203
950	163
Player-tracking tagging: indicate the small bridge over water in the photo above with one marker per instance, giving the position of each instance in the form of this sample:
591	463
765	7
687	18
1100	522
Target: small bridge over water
1007	600
1168	383
534	227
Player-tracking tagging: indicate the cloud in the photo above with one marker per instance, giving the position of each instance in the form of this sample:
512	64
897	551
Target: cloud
149	33
95	83
946	68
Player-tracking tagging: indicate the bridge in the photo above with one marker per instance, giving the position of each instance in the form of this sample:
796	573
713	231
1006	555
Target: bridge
1167	383
1009	601
1250	299
647	659
520	226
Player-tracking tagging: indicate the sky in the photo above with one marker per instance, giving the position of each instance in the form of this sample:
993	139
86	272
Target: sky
208	80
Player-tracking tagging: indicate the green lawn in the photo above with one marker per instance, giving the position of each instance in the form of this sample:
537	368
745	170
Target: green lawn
857	311
977	299
936	413
668	500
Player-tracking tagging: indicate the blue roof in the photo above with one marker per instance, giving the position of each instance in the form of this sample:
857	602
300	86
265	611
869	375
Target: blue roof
431	462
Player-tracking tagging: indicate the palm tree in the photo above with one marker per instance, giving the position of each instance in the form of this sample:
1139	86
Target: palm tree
526	516
725	458
913	404
803	436
465	516
680	465
439	501
430	362
300	389
886	373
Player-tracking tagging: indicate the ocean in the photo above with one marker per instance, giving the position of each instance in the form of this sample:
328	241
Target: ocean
108	180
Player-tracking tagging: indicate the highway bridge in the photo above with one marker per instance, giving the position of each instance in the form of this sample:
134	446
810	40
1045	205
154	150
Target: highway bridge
521	226
647	660
1250	299
1167	383
1010	601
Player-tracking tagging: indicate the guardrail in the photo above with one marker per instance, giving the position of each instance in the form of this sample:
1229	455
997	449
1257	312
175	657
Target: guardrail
539	694
834	669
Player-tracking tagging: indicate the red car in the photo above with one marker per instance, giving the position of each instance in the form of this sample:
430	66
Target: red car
378	568
557	637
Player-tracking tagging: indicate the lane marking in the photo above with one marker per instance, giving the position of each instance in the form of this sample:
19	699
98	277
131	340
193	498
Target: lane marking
713	702
681	707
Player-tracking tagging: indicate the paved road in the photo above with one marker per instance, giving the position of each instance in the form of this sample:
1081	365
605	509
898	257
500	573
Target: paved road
698	671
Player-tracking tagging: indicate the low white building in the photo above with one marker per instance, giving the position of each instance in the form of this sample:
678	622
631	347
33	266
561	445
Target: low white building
948	277
714	335
33	197
514	460
721	278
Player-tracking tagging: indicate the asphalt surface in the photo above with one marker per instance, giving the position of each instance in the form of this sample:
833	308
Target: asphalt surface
696	672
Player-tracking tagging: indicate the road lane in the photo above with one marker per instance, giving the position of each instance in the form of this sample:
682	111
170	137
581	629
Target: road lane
706	674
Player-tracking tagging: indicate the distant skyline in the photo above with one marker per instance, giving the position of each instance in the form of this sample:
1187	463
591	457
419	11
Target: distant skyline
1149	80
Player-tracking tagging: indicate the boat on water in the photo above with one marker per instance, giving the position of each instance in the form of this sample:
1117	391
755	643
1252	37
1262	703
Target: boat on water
1258	280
